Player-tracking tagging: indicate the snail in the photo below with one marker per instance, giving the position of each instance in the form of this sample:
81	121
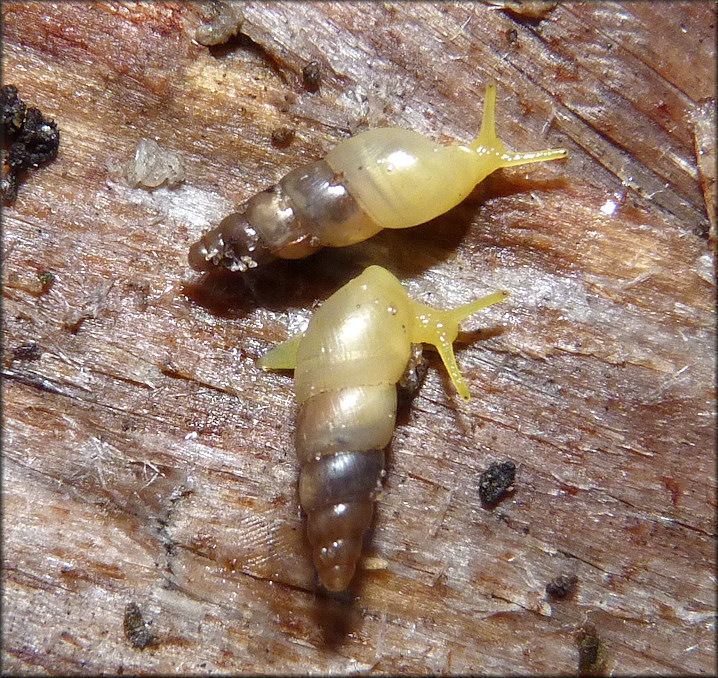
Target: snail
346	368
383	178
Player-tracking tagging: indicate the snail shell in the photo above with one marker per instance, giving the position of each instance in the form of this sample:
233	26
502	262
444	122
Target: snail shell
346	368
382	178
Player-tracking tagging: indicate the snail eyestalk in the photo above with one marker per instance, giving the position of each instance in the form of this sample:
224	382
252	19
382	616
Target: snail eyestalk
493	150
440	329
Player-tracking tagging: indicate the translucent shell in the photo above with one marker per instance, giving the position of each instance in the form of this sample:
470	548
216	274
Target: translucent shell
382	178
401	178
358	337
347	365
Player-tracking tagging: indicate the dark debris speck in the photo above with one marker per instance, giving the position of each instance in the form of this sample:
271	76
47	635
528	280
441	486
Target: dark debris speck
591	652
27	352
13	110
46	279
136	629
562	586
410	382
496	481
29	139
312	76
282	136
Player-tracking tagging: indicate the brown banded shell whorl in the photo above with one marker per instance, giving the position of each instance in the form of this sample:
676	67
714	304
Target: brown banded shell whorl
337	491
308	209
340	439
233	246
326	207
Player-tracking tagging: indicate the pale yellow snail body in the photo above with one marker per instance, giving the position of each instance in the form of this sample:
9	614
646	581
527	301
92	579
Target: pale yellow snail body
382	178
346	368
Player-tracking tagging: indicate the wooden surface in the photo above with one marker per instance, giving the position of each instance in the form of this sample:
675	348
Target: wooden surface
147	460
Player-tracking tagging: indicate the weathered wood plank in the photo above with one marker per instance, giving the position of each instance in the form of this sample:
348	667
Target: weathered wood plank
147	460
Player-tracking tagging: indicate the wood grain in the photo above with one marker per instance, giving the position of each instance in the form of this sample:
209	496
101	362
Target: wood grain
148	461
